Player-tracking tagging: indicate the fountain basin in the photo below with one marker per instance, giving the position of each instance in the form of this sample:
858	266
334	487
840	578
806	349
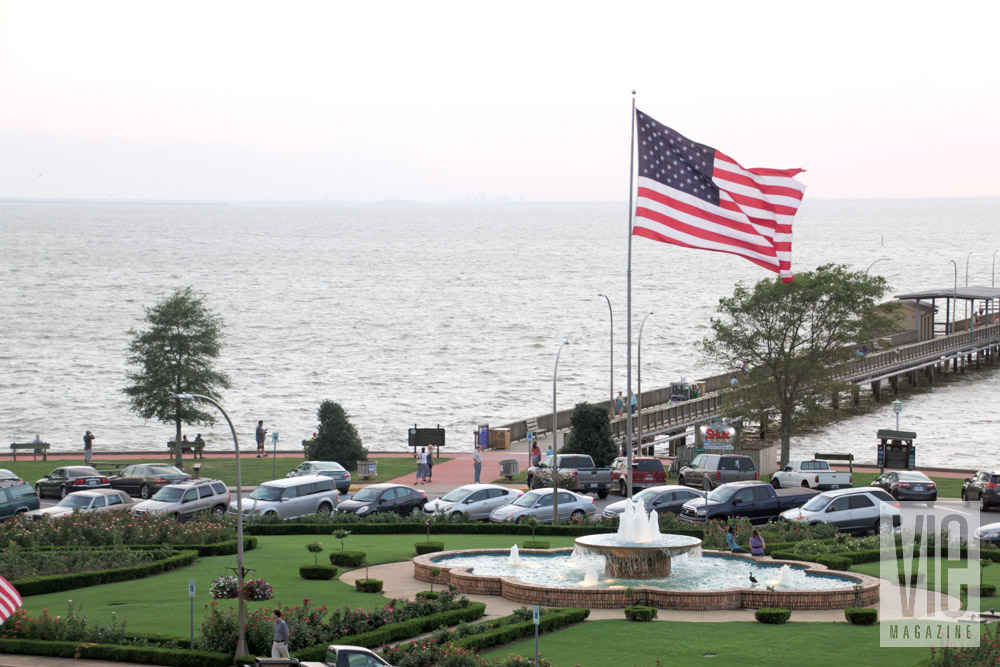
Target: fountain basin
637	560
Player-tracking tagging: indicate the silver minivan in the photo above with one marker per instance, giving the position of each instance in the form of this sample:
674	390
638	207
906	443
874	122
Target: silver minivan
291	497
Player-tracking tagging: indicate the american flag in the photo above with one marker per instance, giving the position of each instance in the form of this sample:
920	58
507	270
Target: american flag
10	600
695	196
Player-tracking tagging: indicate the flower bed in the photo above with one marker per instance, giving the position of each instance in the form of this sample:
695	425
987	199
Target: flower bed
116	528
19	563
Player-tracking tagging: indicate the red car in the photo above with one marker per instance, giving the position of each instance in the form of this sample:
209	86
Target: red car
647	471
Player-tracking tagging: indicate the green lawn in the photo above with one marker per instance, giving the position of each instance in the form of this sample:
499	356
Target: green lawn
990	575
254	470
625	644
948	487
160	603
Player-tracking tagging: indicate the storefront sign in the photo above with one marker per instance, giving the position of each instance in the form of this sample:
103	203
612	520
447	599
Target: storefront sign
717	437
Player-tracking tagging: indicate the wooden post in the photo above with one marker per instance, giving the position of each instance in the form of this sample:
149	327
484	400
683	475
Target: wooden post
877	390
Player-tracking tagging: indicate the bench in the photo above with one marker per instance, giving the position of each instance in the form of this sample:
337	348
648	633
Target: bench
35	447
531	426
188	446
837	457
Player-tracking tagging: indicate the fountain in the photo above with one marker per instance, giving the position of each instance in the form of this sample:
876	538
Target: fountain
515	557
638	550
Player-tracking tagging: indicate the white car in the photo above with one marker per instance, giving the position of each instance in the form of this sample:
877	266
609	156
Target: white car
473	501
340	655
98	500
859	510
988	534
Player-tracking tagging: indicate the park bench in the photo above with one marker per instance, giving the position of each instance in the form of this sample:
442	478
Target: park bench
35	447
837	457
196	446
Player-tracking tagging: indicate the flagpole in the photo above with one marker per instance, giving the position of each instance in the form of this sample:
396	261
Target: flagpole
628	306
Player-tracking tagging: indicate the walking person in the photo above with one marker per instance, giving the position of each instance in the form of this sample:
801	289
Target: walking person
477	463
88	447
422	466
430	463
536	454
620	404
261	433
279	648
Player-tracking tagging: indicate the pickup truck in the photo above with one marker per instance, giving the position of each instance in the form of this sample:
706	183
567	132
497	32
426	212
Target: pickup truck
756	501
581	466
812	475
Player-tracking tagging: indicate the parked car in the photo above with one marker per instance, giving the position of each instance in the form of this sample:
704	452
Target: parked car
473	501
708	471
145	479
665	499
63	481
331	469
337	655
647	471
98	500
983	487
988	534
757	501
858	510
186	499
291	497
589	478
907	485
375	498
812	475
538	503
7	474
16	497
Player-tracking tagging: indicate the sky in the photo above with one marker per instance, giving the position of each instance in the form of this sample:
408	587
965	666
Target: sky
442	101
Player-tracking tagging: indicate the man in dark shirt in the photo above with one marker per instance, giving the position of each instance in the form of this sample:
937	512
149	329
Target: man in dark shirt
261	432
279	649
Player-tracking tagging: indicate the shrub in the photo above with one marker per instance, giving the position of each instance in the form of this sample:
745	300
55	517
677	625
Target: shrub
639	613
427	595
543	480
861	616
111	653
314	548
535	544
505	634
347	558
72	627
772	616
64	582
336	438
835	562
224	588
257	590
368	585
983	591
318	571
914	579
428	547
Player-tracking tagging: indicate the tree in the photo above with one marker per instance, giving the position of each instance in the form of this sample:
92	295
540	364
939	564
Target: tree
336	438
590	433
788	335
176	354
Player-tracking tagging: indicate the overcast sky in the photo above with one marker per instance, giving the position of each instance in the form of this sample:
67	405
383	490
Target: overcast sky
436	101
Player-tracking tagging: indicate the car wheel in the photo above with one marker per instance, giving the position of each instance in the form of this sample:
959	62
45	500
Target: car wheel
63	492
805	484
577	515
983	507
775	482
519	519
529	479
680	480
219	510
895	495
623	488
324	509
965	500
144	492
602	494
458	516
882	526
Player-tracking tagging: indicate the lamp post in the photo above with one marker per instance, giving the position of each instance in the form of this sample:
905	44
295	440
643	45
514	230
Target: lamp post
897	407
241	646
954	297
968	257
638	407
611	403
993	280
880	259
555	441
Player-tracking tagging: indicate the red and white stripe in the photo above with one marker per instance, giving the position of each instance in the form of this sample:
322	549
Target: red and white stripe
753	218
10	599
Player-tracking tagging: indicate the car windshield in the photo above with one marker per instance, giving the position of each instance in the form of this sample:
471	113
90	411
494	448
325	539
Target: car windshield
366	495
266	493
722	494
816	503
528	499
164	470
913	477
456	495
74	502
647	495
168	494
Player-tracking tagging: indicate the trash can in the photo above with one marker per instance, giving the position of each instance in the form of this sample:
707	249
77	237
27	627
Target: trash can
367	469
508	468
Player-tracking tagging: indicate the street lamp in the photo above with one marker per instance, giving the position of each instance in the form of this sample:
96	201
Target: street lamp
555	441
611	403
954	297
880	259
967	282
241	646
897	407
993	280
638	407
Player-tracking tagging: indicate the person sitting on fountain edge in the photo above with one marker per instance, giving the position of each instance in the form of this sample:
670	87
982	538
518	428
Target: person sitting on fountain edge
731	542
756	544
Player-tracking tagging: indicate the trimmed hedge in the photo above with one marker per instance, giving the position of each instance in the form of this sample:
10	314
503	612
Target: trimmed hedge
347	558
318	572
393	632
834	561
535	544
514	631
427	595
861	616
442	528
914	579
115	653
368	585
225	548
55	583
640	613
772	616
428	547
984	591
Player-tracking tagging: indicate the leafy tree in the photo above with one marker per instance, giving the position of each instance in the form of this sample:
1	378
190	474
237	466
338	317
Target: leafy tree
788	335
336	438
175	354
590	433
